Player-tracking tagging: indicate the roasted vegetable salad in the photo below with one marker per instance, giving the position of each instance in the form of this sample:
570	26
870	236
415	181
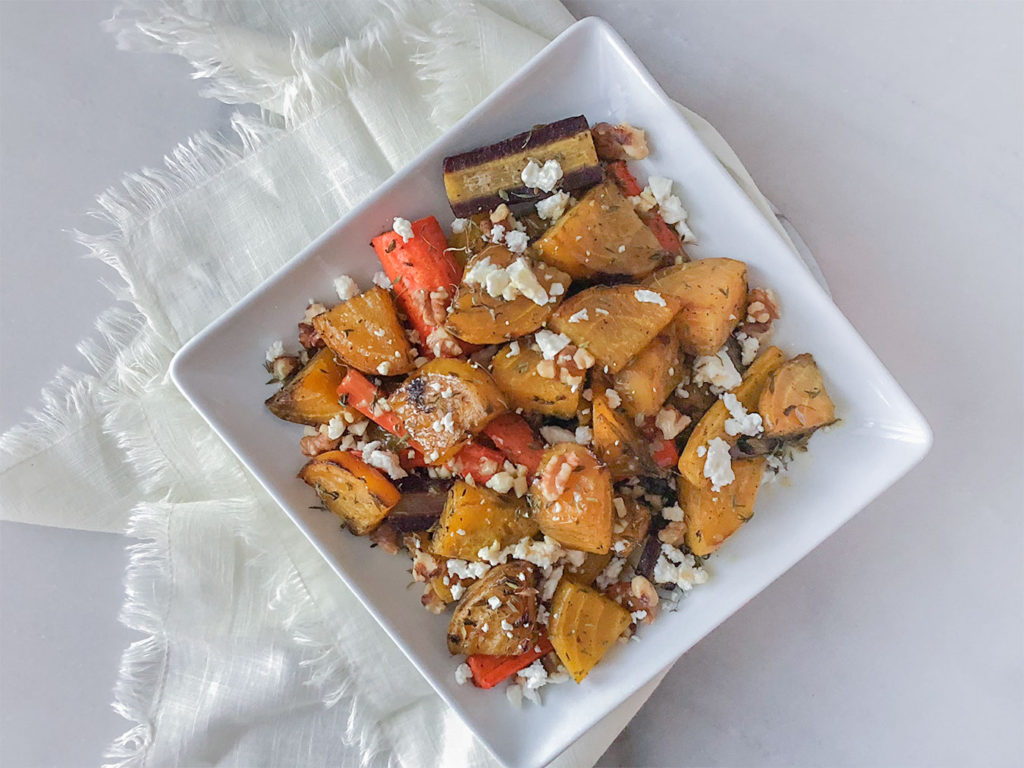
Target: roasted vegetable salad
546	404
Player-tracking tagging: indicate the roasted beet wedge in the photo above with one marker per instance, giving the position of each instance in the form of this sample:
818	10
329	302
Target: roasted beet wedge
484	178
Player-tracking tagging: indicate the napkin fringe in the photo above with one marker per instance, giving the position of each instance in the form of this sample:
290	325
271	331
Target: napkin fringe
327	666
143	664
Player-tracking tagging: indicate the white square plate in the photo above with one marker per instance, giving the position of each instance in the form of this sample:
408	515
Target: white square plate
587	70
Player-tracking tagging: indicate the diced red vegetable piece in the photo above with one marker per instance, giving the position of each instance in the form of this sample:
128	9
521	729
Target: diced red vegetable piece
624	178
361	394
664	452
626	181
514	437
411	458
488	671
417	268
479	462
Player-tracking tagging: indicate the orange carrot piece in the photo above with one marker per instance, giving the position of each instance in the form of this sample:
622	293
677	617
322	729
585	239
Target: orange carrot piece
514	437
488	671
626	181
361	394
417	268
479	462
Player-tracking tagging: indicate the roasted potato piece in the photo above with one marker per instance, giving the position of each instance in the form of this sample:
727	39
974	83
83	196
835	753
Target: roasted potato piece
445	403
572	498
713	293
794	401
517	376
712	424
584	625
365	333
650	377
614	322
311	396
601	234
476	627
353	490
617	441
479	318
713	516
475	518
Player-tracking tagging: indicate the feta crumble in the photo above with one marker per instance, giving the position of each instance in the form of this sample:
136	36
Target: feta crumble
613	397
716	370
463	673
381	280
611	573
670	207
551	343
465	569
718	464
383	459
516	241
551	208
403	227
740	422
672	514
584	435
336	427
517	279
553	434
346	287
459	225
384	368
748	347
494	601
544	177
579	316
645	296
275	351
676	567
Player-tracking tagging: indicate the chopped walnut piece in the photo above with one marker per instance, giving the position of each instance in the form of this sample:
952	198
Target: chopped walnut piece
386	538
619	142
556	475
431	601
283	367
673	533
313	445
762	311
309	337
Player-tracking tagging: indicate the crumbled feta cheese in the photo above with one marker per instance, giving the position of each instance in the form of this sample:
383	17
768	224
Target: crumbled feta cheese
465	569
501	482
517	279
381	280
638	616
494	601
673	513
716	370
579	316
557	289
497	233
459	225
701	450
740	422
544	177
718	465
463	673
645	296
553	434
611	573
456	590
275	351
516	241
346	287
382	459
551	208
315	308
404	228
584	435
551	343
384	368
583	359
601	310
670	206
547	589
614	400
336	427
748	347
676	567
513	348
671	422
358	428
309	431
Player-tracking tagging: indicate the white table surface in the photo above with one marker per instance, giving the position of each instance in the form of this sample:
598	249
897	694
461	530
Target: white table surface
892	135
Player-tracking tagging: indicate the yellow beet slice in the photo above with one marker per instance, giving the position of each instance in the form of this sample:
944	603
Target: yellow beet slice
584	624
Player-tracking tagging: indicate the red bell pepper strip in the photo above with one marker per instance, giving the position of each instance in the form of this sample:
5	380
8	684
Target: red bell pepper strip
488	671
514	437
479	462
417	268
668	239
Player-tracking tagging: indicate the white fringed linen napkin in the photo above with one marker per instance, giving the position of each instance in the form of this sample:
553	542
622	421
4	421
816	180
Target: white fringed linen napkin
253	652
